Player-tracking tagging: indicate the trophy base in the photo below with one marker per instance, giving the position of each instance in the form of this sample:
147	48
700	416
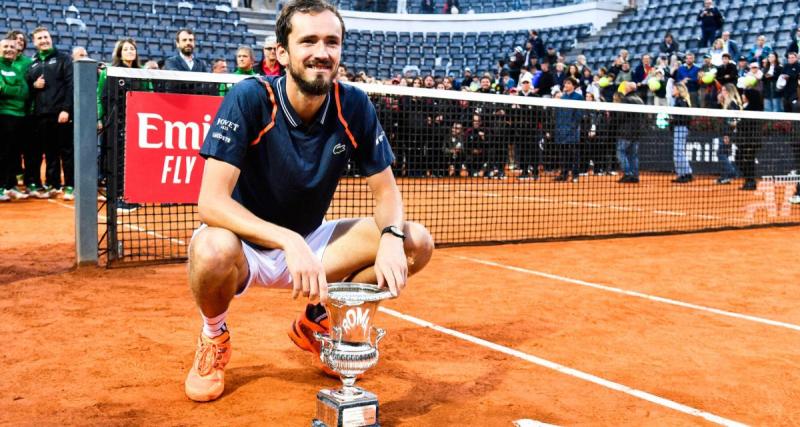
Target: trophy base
335	410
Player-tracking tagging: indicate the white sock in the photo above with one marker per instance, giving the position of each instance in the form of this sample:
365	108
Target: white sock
214	326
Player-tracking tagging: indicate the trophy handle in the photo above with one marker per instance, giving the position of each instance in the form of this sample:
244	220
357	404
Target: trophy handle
379	334
324	339
336	334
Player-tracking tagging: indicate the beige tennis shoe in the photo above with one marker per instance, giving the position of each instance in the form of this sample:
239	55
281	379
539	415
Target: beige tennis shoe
206	379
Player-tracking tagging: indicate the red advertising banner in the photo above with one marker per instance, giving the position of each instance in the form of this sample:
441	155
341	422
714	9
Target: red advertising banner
163	136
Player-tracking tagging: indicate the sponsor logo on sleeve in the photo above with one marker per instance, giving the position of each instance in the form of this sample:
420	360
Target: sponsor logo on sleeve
380	138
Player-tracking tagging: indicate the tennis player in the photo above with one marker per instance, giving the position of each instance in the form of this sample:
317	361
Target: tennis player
275	153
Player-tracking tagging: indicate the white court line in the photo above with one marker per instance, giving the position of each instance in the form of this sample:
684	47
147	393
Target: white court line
634	293
129	226
673	213
598	205
567	370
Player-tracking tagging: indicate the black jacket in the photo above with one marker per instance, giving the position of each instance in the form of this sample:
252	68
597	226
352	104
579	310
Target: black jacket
672	49
545	84
538	47
177	63
770	88
677	119
794	46
711	21
56	96
727	74
632	125
792	71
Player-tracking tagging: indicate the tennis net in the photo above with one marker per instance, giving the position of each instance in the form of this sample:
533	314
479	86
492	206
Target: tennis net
481	168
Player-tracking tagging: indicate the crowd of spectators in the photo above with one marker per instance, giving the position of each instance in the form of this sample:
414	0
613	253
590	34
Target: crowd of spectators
562	140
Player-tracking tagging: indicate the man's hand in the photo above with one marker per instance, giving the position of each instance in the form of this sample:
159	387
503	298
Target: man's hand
63	117
308	274
391	265
39	83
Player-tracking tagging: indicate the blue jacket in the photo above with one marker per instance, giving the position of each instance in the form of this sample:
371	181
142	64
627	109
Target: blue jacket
690	73
765	51
568	121
638	74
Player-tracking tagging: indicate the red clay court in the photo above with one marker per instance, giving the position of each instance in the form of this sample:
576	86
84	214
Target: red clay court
693	329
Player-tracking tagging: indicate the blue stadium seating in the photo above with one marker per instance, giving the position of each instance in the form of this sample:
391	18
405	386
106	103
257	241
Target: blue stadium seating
154	23
642	31
218	32
478	6
479	51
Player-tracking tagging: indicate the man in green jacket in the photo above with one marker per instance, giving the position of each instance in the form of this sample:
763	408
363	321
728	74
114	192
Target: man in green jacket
22	64
245	61
13	105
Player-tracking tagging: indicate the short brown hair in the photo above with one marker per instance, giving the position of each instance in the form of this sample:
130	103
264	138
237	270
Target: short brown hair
283	25
247	49
183	30
38	30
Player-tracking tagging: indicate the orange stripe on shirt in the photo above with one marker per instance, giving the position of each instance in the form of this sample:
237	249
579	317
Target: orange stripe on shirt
341	117
274	112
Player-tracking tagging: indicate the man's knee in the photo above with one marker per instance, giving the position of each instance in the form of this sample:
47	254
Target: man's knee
418	245
214	250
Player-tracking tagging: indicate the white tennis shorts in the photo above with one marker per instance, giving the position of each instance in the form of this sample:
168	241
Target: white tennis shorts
268	266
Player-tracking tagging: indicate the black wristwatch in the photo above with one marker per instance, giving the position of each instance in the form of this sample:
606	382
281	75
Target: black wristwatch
395	231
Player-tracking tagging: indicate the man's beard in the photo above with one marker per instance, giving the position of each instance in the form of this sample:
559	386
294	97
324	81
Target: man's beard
317	87
186	51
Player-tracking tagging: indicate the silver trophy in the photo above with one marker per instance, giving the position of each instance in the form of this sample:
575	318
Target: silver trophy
349	351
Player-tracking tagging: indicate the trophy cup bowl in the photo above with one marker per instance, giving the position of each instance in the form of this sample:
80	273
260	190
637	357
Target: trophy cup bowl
349	350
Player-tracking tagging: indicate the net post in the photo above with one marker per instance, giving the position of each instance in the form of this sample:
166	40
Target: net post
85	140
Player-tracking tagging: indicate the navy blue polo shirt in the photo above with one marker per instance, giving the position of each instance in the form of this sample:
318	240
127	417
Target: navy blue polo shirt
290	169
